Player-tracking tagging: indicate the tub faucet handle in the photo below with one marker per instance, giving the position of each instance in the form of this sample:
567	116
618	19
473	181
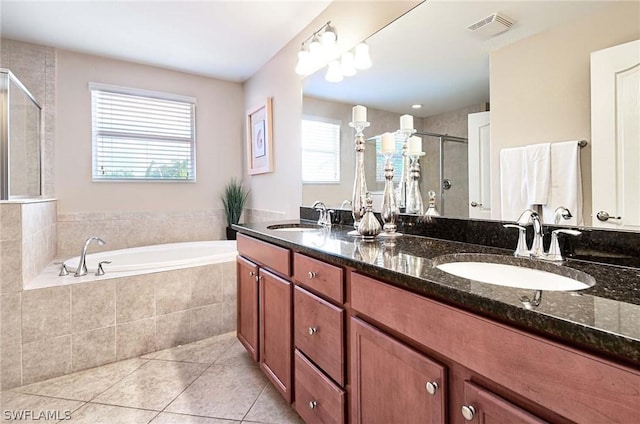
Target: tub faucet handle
100	270
63	269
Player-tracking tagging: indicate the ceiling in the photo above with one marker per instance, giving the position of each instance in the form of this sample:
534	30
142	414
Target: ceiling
429	57
229	40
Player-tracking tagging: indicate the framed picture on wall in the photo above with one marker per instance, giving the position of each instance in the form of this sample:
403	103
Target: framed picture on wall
259	143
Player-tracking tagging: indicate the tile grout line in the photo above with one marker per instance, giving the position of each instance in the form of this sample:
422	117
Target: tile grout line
255	401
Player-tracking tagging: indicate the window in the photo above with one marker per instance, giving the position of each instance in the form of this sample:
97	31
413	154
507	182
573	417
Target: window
320	151
142	135
396	160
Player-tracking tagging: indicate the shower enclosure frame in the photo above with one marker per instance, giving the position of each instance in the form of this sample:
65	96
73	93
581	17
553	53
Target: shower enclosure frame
5	148
442	138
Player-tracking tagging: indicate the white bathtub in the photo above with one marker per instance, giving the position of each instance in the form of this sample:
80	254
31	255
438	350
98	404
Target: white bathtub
160	257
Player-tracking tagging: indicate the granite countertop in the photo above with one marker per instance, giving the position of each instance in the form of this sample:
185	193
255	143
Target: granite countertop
604	319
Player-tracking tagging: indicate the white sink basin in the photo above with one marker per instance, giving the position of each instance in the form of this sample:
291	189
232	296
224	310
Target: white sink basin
526	274
295	227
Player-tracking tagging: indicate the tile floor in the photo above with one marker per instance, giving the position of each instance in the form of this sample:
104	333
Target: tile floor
213	381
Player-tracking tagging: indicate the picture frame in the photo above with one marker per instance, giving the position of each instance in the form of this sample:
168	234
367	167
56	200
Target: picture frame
259	139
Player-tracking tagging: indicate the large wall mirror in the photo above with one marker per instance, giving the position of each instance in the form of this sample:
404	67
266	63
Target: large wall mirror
532	83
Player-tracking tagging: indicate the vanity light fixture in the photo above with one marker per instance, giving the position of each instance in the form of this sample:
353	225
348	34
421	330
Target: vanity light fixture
320	49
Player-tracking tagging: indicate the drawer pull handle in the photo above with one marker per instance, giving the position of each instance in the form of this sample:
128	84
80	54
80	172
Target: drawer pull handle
312	275
313	330
468	412
432	387
313	404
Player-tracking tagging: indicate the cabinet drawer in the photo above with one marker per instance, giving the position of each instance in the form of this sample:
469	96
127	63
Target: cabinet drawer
274	257
573	384
319	332
318	276
318	400
483	406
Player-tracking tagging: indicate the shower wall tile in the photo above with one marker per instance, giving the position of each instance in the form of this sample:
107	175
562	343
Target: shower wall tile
206	285
93	348
135	298
45	359
132	229
11	265
10	222
46	313
93	305
10	319
206	321
135	338
10	366
173	329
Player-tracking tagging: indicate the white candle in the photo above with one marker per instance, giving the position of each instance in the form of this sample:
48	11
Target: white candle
388	143
406	122
359	114
414	145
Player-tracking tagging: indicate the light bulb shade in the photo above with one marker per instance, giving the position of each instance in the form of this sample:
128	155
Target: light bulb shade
347	65
329	37
315	48
333	72
305	63
362	59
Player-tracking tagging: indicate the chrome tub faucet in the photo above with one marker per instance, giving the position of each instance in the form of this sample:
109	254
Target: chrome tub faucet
82	265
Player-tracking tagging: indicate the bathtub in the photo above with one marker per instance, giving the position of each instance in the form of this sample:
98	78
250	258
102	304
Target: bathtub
137	261
160	257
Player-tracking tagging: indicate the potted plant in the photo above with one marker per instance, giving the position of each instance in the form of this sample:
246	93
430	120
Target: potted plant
234	198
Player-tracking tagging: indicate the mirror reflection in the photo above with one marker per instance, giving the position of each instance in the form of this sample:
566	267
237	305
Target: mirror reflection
538	91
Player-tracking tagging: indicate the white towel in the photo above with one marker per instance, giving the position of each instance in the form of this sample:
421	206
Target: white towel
513	190
566	183
537	169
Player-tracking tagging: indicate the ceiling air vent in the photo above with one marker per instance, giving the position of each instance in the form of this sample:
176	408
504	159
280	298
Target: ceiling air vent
492	25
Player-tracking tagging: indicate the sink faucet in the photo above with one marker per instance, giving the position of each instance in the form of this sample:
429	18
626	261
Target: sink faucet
82	265
529	215
325	215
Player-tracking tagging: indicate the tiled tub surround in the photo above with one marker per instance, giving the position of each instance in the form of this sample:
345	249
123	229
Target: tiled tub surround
602	319
78	326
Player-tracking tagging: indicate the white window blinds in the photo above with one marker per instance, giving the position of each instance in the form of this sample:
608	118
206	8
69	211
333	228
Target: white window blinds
320	151
142	135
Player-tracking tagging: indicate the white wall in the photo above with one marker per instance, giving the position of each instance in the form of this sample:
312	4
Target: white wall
281	190
540	86
219	132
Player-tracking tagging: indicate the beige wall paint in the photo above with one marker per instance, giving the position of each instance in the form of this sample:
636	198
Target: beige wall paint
281	190
219	129
540	86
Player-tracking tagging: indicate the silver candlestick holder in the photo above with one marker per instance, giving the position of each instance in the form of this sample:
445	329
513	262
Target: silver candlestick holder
403	184
389	210
414	198
360	182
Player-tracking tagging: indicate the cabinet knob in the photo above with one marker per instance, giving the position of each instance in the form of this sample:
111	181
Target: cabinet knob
313	330
252	274
468	412
312	275
475	204
432	387
313	404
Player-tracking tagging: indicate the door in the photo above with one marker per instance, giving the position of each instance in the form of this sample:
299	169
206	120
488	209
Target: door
247	317
483	407
275	331
391	382
479	165
615	136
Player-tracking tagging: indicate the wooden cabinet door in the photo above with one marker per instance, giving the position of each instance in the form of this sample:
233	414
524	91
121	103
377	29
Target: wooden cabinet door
276	347
247	309
389	380
483	407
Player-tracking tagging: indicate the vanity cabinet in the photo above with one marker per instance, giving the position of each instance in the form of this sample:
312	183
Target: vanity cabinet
392	383
264	312
502	374
319	338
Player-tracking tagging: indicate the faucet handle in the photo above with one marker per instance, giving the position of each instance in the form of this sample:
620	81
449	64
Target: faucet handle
63	269
554	254
100	270
521	248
